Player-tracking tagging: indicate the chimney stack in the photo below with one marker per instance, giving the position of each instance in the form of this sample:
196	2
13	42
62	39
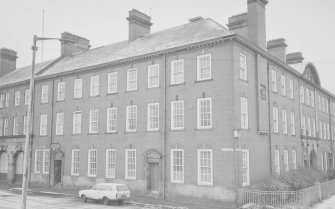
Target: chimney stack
277	48
139	24
256	22
72	44
239	24
7	61
293	58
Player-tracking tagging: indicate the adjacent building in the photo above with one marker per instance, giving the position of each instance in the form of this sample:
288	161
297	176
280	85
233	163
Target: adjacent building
189	112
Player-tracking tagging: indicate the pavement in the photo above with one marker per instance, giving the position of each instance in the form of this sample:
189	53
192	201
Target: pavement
326	204
136	201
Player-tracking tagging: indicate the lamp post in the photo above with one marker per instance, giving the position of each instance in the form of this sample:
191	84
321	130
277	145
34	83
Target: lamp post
29	132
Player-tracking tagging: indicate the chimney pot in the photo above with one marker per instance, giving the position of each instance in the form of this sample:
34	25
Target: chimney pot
239	24
256	22
72	44
295	57
277	47
195	19
139	24
7	61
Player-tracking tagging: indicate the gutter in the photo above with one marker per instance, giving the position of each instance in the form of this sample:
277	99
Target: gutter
164	129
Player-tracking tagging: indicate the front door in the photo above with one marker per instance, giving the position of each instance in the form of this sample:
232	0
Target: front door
153	177
19	168
57	171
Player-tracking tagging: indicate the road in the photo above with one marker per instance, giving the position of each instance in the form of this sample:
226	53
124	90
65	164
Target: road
12	201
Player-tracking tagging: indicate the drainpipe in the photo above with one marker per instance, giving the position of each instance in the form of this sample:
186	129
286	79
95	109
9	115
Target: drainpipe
330	130
269	114
164	129
51	129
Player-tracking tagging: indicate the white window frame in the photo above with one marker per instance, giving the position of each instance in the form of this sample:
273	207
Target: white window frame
26	96
38	165
302	94
243	67
275	119
3	162
284	121
132	164
60	123
209	122
132	79
7	95
320	130
6	127
74	122
17	98
313	128
43	124
309	127
210	166
46	161
312	99
153	117
277	162
110	163
61	91
111	120
204	72
291	83
283	85
177	166
94	121
286	161
245	167
78	88
131	118
2	101
303	125
92	165
177	72
1	126
95	85
294	159
274	80
292	123
75	162
25	125
45	94
16	125
153	76
307	99
244	113
177	112
112	83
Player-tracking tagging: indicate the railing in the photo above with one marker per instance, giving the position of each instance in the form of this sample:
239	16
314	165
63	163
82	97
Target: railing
305	197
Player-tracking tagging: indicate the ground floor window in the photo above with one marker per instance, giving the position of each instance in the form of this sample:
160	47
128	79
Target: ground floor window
92	163
110	163
130	164
75	162
38	161
245	168
277	162
46	161
3	162
205	167
177	166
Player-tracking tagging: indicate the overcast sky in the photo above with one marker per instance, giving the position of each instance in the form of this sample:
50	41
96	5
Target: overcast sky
307	25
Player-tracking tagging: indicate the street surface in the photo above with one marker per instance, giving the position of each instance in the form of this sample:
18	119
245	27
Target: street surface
10	200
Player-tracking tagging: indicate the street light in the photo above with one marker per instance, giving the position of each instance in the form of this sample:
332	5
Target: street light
29	132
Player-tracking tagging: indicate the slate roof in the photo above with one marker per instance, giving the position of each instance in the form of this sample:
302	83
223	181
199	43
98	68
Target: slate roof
300	67
22	74
186	34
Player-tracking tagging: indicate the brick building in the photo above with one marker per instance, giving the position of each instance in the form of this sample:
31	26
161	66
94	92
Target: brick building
188	112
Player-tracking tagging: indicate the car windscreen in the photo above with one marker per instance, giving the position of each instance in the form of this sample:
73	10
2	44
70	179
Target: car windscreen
122	188
106	188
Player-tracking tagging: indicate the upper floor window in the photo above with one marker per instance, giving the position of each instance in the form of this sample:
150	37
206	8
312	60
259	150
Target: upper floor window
303	125
112	83
286	166
323	104
204	113
309	127
292	124
131	121
111	119
291	88
177	115
275	119
243	67
319	102
43	124
61	91
25	124
7	99
76	122
204	67
16	125
294	159
17	97
153	117
283	85
284	120
78	88
94	90
302	94
312	99
60	123
5	127
307	101
26	96
244	113
94	119
2	100
153	76
177	71
45	94
274	81
132	80
313	128
1	126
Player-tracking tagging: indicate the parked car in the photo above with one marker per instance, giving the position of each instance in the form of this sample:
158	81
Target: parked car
106	192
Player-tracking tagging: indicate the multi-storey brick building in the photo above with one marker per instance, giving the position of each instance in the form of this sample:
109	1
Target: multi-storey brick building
191	111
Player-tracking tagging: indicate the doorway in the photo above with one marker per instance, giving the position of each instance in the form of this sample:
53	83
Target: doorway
313	159
19	167
57	172
153	177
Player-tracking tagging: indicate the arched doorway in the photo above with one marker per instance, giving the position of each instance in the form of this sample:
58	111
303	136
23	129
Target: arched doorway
313	159
57	167
19	167
152	164
3	166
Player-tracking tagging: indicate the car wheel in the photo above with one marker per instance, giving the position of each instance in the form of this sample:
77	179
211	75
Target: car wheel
83	198
105	201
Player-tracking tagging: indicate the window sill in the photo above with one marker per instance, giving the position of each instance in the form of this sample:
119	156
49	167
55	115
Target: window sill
130	91
244	80
44	103
77	98
206	185
205	129
131	132
129	178
113	93
152	131
177	84
115	132
91	96
177	182
77	134
57	135
177	130
153	87
204	80
93	133
63	100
